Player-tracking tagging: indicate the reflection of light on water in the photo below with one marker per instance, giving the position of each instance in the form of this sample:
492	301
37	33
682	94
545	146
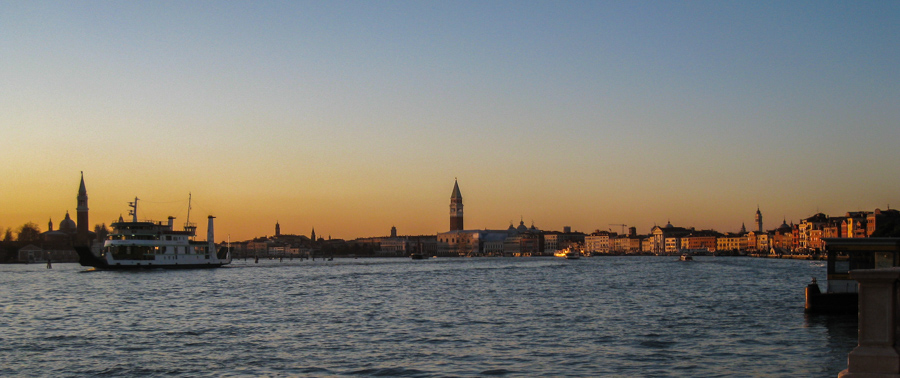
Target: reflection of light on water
817	264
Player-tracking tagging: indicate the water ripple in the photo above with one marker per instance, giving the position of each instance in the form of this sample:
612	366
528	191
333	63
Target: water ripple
618	316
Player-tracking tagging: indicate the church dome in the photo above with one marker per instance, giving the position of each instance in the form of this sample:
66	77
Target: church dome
67	224
522	227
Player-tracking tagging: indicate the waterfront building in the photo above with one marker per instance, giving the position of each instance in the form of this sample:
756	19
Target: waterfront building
673	244
763	241
276	250
658	237
257	248
629	243
633	243
524	242
514	241
732	242
752	243
397	245
626	244
816	242
882	220
493	243
832	228
280	245
556	241
703	239
598	241
783	238
806	229
460	242
551	241
795	237
854	225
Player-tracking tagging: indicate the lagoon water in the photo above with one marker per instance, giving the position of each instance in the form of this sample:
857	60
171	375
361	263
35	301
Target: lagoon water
598	316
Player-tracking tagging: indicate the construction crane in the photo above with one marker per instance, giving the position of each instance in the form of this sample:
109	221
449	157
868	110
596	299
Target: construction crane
619	224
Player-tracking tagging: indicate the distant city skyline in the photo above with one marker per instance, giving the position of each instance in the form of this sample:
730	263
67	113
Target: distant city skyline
181	215
351	118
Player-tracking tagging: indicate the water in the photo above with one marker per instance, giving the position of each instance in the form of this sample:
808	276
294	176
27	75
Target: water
600	316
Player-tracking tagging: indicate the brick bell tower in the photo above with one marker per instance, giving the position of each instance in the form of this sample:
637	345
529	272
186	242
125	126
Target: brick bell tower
82	236
456	208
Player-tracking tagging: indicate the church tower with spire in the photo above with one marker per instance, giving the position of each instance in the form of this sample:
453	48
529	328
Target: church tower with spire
83	226
456	208
277	229
759	227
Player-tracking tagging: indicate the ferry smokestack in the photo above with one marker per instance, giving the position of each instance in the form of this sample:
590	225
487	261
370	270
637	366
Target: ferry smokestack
211	236
171	223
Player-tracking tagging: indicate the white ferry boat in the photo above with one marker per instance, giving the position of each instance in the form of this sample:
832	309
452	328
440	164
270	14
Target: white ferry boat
150	244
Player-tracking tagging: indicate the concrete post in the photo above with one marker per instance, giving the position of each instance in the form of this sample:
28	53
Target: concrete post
877	353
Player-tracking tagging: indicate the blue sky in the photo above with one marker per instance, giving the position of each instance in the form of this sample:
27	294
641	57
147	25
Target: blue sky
356	116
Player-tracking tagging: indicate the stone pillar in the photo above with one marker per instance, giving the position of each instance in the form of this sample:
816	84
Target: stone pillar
877	353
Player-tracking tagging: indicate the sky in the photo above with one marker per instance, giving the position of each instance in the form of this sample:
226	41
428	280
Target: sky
351	117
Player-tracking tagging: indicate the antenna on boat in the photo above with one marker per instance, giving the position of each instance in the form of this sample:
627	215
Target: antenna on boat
189	208
188	226
133	211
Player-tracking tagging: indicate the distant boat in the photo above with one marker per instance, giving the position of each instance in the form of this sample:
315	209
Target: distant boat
686	257
150	244
416	256
570	253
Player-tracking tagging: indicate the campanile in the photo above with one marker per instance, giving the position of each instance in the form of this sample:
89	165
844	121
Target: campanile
456	208
83	226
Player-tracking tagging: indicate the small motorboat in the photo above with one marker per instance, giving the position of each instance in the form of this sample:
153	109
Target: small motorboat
686	257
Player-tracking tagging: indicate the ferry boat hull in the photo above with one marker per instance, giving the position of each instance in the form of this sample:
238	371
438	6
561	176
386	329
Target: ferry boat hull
87	258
